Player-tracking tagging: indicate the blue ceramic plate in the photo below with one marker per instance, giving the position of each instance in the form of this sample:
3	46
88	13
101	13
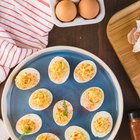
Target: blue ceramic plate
15	101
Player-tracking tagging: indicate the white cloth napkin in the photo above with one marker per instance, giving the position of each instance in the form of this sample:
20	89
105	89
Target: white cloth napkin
3	132
24	28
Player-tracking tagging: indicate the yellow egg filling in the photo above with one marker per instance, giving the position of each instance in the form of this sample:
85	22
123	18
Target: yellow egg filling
60	117
94	96
84	72
102	125
46	137
78	135
40	99
26	80
57	70
26	125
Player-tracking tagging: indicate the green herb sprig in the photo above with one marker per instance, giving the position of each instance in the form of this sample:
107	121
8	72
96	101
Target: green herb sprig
27	131
65	113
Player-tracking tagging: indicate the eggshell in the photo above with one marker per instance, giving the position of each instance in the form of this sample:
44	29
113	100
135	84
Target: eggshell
85	62
100	114
130	36
59	105
47	92
136	47
70	130
85	102
31	71
89	9
53	136
33	117
138	25
64	76
66	10
137	35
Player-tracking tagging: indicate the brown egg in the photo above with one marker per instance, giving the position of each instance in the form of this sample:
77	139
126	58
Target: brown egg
66	10
88	9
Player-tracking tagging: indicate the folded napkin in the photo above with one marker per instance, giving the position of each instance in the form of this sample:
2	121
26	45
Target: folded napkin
134	37
3	132
24	28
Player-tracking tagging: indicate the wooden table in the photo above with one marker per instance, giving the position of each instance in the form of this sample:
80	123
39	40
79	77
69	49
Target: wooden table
93	38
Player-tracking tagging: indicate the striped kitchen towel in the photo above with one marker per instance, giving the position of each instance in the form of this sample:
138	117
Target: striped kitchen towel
24	28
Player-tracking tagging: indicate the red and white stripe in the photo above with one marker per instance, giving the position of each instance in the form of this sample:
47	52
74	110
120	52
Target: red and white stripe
24	27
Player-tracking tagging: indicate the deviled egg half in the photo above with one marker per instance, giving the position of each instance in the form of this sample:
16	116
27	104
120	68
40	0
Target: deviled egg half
101	124
76	133
40	99
92	98
29	124
27	78
62	112
58	70
85	71
47	136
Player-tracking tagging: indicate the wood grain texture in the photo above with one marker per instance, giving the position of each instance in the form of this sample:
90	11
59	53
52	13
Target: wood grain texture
93	38
118	28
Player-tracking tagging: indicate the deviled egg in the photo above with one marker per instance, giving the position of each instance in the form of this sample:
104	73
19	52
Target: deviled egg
27	78
101	124
92	98
85	71
47	136
58	70
29	124
76	133
40	99
62	112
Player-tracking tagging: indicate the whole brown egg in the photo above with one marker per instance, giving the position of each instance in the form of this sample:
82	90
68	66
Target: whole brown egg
89	9
66	10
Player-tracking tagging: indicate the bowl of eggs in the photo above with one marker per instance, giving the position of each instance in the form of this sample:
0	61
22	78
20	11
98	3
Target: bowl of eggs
62	93
66	13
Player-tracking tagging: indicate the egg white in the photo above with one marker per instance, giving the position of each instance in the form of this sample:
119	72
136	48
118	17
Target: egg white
48	93
70	130
50	134
59	104
98	115
83	62
65	76
33	117
84	103
32	71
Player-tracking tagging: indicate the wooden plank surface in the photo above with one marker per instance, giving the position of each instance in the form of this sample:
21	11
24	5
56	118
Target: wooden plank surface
118	28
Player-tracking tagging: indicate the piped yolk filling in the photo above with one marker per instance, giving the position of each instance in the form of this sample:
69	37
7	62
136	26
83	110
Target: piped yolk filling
84	72
93	97
57	70
60	117
46	137
26	80
102	125
26	125
40	99
78	135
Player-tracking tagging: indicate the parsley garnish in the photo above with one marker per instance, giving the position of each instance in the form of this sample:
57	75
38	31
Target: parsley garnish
27	131
65	113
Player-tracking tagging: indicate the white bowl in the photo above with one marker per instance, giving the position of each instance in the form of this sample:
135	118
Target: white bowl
78	20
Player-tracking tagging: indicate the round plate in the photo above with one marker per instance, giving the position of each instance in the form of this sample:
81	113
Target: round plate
15	101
